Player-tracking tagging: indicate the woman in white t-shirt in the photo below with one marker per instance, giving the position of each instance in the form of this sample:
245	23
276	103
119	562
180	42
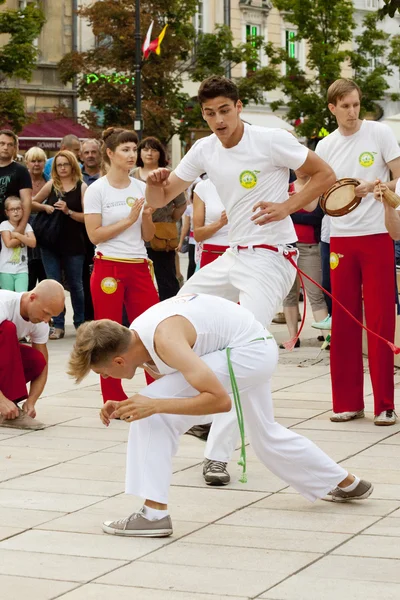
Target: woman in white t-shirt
210	223
118	222
14	248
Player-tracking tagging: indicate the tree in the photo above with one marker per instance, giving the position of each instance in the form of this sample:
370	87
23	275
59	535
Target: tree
390	8
328	28
17	58
105	73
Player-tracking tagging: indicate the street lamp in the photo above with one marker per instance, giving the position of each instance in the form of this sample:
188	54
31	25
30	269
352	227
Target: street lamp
138	124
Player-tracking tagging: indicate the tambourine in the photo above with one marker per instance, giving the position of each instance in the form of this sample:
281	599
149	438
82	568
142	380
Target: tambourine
340	199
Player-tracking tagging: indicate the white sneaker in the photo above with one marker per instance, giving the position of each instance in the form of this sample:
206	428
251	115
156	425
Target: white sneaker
347	416
387	417
325	324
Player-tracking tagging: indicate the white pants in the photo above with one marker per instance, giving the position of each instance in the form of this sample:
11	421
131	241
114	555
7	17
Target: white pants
154	441
259	279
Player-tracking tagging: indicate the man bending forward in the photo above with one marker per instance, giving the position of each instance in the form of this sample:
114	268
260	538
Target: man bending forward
192	344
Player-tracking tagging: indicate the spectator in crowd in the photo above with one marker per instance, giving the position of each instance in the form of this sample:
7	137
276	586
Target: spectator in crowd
187	232
118	222
91	160
151	155
65	192
308	230
35	159
13	253
210	223
69	142
25	314
14	177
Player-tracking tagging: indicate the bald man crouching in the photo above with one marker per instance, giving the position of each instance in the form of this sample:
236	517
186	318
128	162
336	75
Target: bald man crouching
24	314
205	351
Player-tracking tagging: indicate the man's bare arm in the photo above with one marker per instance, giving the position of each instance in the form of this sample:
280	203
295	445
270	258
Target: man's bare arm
37	386
321	177
162	186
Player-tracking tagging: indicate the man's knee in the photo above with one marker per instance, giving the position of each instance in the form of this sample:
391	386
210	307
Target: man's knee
7	328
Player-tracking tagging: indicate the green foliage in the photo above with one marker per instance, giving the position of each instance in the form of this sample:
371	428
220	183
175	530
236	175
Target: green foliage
390	8
328	27
18	56
12	110
17	59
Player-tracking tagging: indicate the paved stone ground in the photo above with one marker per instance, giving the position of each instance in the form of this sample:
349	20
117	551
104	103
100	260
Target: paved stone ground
259	540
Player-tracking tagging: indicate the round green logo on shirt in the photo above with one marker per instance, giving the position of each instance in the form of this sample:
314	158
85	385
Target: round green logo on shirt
131	201
248	179
366	159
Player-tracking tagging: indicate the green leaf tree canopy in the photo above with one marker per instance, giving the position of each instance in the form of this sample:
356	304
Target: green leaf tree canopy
18	57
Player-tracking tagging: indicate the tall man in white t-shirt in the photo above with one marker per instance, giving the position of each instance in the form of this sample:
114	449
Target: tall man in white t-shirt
25	314
249	167
362	258
203	351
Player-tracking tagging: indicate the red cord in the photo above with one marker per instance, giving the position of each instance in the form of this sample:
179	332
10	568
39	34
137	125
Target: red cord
290	344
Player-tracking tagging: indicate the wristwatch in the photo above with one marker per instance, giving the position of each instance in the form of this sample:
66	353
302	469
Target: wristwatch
70	212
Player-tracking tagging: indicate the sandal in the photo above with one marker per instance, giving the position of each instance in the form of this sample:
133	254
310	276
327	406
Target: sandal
56	334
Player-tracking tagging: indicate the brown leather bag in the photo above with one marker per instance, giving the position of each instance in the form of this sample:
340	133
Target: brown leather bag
165	238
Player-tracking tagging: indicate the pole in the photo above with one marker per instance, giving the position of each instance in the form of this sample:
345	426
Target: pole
227	21
138	124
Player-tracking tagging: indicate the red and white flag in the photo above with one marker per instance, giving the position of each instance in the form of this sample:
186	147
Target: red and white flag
146	44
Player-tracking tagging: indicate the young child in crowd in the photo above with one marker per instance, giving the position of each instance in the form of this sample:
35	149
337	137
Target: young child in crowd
14	251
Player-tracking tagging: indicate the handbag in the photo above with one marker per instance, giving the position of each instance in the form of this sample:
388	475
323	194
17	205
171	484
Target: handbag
47	229
165	237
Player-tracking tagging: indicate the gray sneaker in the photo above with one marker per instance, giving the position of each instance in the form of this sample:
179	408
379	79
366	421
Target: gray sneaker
347	416
215	473
361	492
137	525
23	421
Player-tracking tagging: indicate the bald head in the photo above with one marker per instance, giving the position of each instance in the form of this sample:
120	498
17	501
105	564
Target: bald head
45	301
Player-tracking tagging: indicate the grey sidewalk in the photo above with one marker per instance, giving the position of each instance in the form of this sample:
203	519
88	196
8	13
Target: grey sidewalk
259	540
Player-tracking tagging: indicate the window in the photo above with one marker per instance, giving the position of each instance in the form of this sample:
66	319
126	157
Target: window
291	43
374	62
251	32
371	3
198	19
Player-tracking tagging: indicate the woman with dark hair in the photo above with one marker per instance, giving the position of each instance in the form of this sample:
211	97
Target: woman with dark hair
64	192
118	222
161	250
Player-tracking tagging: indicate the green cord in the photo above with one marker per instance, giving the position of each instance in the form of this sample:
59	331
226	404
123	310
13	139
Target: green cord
242	462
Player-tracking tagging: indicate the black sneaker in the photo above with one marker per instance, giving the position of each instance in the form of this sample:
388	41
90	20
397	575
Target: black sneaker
200	431
215	473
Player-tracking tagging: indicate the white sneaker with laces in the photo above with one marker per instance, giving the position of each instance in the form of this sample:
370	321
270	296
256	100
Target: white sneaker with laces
325	324
347	416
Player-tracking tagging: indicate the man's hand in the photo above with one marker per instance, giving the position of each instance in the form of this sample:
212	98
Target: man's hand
365	188
135	408
269	211
158	177
108	409
29	408
8	409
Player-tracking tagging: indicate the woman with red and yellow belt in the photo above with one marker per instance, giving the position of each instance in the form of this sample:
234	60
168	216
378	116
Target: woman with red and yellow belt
210	223
118	222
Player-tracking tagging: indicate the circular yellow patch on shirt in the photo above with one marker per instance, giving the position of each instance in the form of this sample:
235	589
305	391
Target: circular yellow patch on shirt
130	201
109	285
334	260
366	159
248	179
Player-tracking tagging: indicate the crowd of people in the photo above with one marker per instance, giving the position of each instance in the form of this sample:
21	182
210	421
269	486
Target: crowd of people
108	219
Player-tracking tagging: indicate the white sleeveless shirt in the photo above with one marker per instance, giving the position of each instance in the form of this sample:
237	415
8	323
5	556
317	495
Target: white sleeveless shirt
219	324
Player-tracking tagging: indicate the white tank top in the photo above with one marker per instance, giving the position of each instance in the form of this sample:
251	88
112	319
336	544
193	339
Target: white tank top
219	324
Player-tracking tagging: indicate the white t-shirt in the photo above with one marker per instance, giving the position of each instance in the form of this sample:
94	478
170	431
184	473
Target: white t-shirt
363	155
256	169
113	205
213	207
13	260
326	229
219	323
10	311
